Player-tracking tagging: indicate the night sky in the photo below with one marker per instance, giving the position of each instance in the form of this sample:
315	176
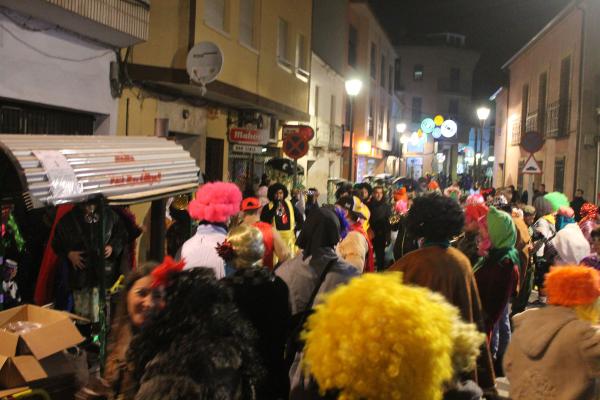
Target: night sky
495	28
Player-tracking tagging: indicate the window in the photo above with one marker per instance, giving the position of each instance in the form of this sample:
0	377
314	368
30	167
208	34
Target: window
352	46
397	75
332	110
370	121
418	72
559	174
383	70
316	112
454	79
390	79
417	103
389	126
524	107
215	14
381	125
282	43
373	61
301	63
247	18
563	96
453	108
542	90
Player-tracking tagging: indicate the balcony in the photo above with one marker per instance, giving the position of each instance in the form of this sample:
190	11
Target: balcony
117	23
336	136
462	88
515	129
531	121
558	119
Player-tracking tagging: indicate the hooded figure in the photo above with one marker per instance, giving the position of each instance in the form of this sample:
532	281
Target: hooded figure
555	350
497	273
214	205
282	214
317	267
568	247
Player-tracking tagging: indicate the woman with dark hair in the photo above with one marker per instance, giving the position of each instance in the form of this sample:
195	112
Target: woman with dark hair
438	266
262	299
197	333
132	311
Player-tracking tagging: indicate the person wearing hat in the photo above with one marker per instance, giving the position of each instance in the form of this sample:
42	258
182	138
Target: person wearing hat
555	350
275	246
356	248
214	205
282	214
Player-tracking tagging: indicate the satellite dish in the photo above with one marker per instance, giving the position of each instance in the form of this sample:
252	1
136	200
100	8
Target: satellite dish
204	63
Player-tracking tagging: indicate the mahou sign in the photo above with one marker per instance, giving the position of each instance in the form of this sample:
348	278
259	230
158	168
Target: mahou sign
249	136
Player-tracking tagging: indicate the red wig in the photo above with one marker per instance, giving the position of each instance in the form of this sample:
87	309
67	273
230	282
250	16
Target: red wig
215	202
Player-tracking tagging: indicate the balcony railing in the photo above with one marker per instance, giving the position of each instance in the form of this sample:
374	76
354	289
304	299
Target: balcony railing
515	130
326	135
531	121
558	119
453	86
119	23
336	137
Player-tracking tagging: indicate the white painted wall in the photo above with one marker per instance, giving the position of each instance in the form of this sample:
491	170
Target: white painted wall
30	71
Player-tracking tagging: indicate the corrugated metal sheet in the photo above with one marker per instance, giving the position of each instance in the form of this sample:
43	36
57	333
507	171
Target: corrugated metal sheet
118	167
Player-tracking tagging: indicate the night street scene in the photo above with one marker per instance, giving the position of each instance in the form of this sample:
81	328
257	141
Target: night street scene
300	199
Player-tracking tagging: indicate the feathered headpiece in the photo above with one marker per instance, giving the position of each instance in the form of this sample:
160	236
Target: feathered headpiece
588	212
225	250
161	273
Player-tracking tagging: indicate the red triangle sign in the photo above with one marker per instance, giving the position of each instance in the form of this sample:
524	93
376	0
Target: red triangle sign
531	166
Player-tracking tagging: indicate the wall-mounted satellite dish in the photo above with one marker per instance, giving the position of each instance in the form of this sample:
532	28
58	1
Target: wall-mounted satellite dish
204	63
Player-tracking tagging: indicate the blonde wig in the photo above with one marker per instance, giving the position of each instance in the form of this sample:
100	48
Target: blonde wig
248	247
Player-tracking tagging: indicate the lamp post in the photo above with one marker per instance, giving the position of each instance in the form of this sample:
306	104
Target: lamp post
353	88
482	114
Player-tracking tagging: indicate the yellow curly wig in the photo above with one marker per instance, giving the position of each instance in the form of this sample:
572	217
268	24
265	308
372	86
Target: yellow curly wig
377	338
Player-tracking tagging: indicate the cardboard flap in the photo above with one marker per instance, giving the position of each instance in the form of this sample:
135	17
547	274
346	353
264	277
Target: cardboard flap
7	316
29	368
8	343
52	338
3	360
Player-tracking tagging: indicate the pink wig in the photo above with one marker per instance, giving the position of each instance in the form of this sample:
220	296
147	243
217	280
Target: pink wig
484	242
215	202
401	207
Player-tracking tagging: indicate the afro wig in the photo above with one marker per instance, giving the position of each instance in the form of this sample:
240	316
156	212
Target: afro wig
402	351
216	202
435	218
169	387
274	188
199	334
572	286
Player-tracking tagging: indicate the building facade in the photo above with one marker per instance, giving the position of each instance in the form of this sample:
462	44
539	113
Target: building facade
370	57
553	90
54	54
263	82
435	77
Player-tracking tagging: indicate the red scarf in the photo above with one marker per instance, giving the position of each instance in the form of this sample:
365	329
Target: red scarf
370	261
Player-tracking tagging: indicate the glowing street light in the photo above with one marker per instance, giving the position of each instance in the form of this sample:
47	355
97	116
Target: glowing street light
353	87
491	158
483	113
401	127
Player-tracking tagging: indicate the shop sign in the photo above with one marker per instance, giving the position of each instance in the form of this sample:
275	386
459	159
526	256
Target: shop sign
242	148
249	136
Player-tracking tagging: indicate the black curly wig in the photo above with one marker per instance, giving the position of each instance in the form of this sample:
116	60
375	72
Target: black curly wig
199	334
274	188
435	217
170	387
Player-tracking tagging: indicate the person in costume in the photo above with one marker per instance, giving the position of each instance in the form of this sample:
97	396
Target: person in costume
214	205
133	309
275	247
262	299
475	212
197	332
555	350
416	347
577	203
355	248
78	246
593	260
181	228
588	220
282	214
379	222
315	271
568	246
543	229
444	269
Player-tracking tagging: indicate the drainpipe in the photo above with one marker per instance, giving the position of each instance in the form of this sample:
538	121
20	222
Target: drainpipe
506	139
580	102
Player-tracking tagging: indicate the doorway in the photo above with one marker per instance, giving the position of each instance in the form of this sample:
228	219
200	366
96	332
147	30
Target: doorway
213	168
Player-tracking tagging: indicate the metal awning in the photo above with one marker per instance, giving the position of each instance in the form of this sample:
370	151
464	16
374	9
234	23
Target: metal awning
53	169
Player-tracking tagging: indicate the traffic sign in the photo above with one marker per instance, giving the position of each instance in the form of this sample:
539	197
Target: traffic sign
532	141
532	166
295	145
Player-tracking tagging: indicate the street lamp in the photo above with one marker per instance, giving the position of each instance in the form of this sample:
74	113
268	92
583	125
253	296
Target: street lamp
482	114
401	127
353	87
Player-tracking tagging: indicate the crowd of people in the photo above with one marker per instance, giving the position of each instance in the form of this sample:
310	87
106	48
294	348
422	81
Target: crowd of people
431	296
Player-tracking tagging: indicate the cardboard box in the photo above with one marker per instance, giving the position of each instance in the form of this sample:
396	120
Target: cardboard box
21	354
